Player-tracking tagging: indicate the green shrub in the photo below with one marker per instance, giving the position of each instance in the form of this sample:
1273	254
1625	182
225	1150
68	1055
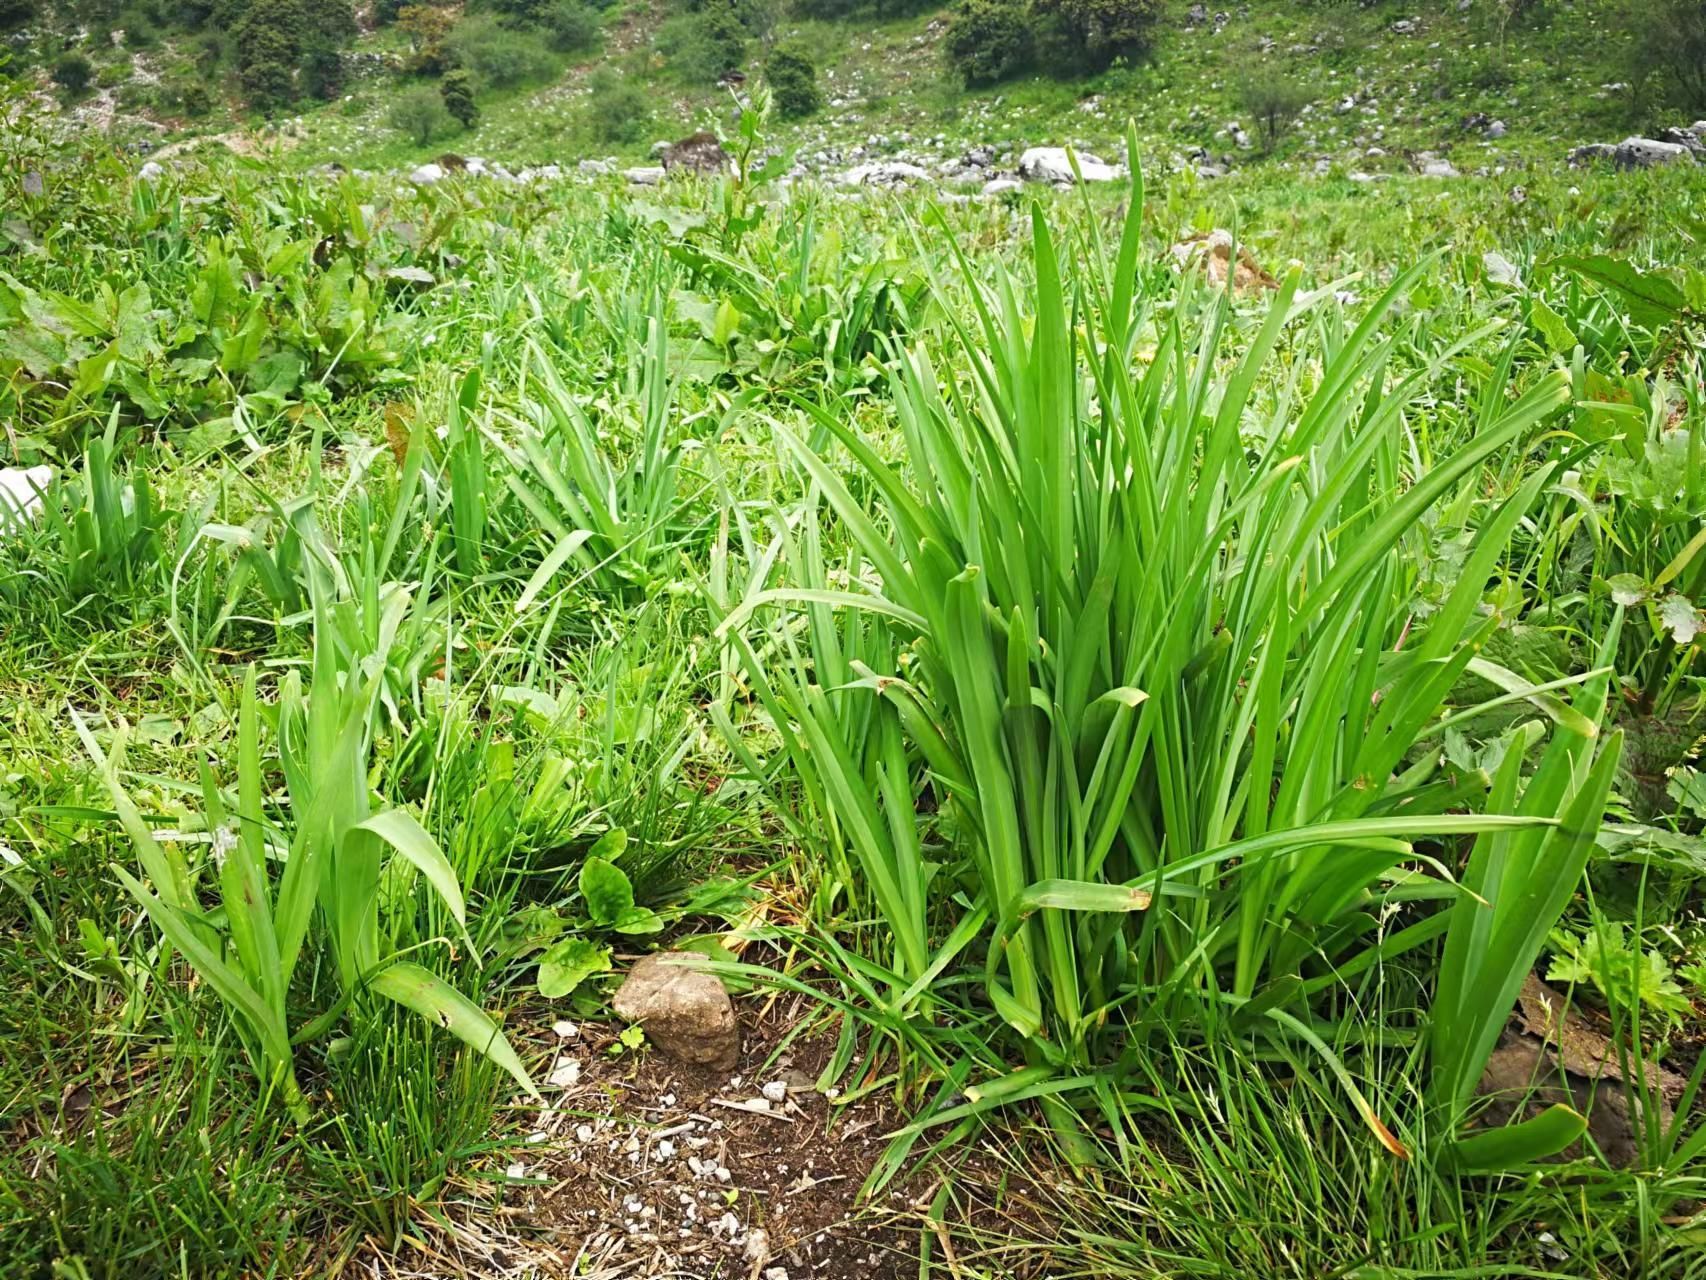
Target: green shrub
457	91
1273	100
500	56
702	45
618	108
73	73
1669	46
988	40
571	26
792	77
420	114
16	14
194	100
1098	31
322	71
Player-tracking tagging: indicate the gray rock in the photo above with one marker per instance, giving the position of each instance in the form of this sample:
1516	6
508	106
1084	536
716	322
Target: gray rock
1495	130
644	175
595	168
1693	137
1649	153
1405	27
1436	168
1196	15
1592	153
424	176
1000	186
1049	164
153	170
883	173
684	1011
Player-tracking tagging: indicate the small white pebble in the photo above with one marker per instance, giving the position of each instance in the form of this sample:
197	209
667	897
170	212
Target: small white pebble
583	1133
776	1273
566	1030
665	1149
757	1245
516	1170
535	1137
567	1074
666	1100
775	1091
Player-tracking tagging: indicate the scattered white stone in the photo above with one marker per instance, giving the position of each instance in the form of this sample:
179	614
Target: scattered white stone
516	1171
151	171
1500	269
567	1074
565	1030
757	1246
775	1091
21	492
665	1150
583	1133
427	175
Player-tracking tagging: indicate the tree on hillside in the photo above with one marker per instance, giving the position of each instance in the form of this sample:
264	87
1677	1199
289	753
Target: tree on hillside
427	27
457	91
989	40
1670	46
792	77
15	15
1102	30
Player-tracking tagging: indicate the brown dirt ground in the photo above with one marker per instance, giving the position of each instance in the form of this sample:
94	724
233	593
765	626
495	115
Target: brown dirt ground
607	1185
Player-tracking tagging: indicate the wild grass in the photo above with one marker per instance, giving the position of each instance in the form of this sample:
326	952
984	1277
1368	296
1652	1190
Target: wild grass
1173	720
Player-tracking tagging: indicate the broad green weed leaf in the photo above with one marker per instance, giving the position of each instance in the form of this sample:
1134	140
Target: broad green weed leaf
568	964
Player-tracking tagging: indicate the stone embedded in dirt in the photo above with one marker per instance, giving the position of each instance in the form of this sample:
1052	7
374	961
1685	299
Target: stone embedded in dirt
685	1011
1213	250
1552	1056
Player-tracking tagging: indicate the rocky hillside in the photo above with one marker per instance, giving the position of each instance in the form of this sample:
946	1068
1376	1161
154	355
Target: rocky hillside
1363	90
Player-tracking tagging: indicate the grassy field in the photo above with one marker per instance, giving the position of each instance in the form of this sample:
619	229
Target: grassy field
1179	779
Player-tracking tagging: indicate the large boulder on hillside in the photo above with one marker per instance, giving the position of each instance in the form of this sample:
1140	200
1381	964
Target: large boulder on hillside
1049	164
697	153
1650	153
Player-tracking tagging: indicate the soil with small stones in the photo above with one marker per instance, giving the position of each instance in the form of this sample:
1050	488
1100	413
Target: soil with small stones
638	1166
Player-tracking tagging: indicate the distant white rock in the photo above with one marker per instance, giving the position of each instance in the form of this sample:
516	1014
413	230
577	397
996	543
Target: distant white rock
1049	164
426	175
648	175
475	167
21	495
151	171
883	173
595	168
1000	186
1439	169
